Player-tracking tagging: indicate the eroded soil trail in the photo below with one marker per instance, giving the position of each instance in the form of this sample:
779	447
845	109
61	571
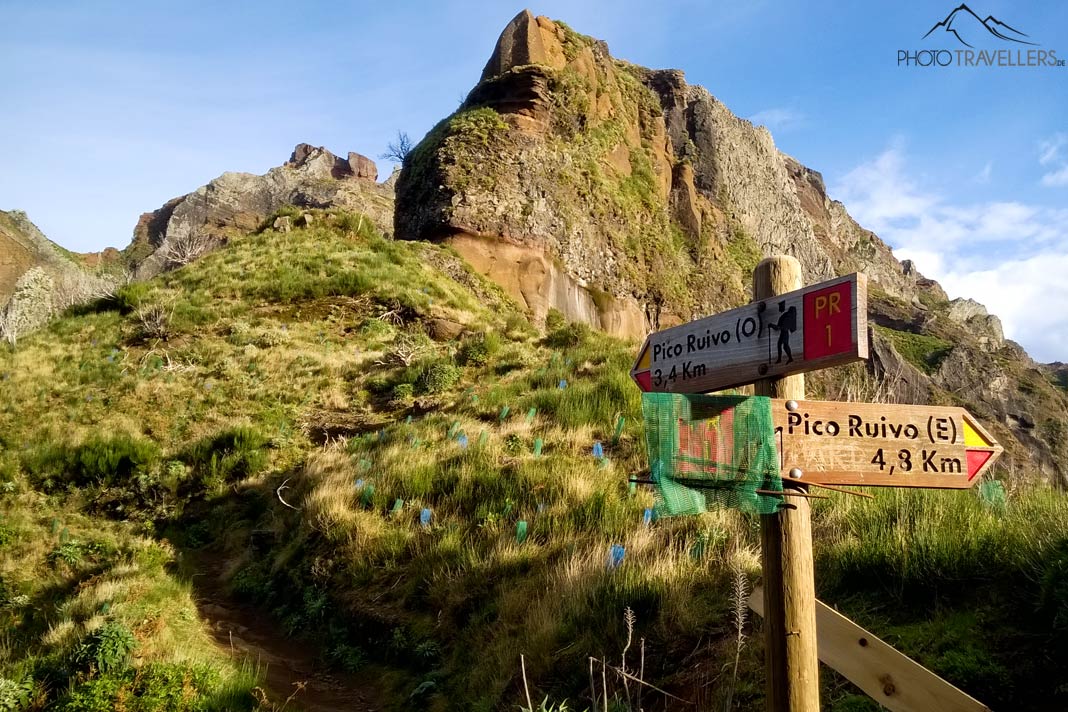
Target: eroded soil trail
248	634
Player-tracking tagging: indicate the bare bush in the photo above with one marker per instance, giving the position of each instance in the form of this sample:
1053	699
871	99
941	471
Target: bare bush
398	150
154	321
184	249
407	348
74	287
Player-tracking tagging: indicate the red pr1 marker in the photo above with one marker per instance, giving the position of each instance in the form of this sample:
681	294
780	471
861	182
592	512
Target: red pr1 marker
828	321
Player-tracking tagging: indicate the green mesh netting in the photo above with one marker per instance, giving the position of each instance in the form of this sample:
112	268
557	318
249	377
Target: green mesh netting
711	451
992	494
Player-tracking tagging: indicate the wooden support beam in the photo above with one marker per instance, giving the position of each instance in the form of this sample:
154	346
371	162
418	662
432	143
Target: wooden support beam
790	659
894	680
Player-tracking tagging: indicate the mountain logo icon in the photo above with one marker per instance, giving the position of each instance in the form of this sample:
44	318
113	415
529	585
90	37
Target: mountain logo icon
969	29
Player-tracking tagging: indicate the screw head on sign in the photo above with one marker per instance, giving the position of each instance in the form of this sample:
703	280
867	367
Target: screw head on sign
762	369
796	473
791	405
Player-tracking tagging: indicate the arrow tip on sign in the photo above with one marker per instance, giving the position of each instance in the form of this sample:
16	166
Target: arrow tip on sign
643	358
976	460
644	381
973	438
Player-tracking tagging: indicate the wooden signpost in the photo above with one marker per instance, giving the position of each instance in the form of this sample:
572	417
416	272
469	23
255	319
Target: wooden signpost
770	343
777	335
881	445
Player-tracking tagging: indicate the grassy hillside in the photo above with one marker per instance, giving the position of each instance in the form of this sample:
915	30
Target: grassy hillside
384	457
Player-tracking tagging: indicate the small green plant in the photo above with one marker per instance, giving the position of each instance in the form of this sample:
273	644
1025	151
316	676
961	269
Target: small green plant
555	320
129	297
105	649
230	456
15	694
568	336
99	460
438	377
478	349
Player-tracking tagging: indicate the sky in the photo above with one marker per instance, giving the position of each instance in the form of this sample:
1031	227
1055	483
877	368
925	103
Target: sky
111	108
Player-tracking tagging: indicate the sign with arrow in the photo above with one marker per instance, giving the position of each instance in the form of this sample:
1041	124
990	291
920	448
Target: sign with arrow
815	327
881	444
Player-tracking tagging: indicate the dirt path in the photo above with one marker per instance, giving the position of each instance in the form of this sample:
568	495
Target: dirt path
247	633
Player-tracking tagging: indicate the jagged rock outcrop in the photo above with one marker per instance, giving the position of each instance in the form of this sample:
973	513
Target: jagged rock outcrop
644	190
974	315
38	278
236	203
629	199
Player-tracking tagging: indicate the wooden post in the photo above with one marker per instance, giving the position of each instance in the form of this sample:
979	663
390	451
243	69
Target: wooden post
791	660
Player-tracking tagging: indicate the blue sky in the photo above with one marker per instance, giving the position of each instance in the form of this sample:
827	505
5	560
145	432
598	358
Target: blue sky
110	109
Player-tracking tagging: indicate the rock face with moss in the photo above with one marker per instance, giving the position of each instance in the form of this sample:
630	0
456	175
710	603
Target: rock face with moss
630	200
622	196
235	203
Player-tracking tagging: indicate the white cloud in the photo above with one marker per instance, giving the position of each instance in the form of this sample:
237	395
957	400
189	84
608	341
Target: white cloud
983	176
778	119
1010	256
1051	153
1050	149
1056	179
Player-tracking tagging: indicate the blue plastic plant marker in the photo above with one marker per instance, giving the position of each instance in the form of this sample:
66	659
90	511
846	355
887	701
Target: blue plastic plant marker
521	531
530	415
408	420
381	435
633	488
398	506
538	445
598	450
474	398
483	437
562	384
453	429
105	607
55	526
365	464
426	290
359	483
424	518
615	556
697	551
462	441
647	517
64	536
619	429
504	412
368	495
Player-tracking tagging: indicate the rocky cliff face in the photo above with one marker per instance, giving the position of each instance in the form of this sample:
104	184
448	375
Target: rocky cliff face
236	203
629	199
38	278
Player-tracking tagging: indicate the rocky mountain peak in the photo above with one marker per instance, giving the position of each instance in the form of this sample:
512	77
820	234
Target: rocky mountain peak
236	203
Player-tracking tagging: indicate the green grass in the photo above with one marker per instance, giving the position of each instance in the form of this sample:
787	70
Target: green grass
119	456
924	352
92	615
